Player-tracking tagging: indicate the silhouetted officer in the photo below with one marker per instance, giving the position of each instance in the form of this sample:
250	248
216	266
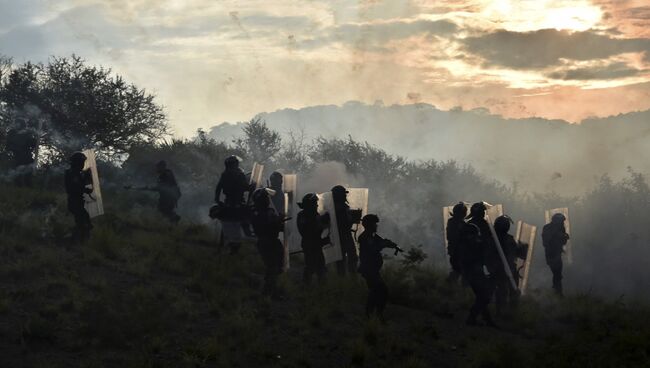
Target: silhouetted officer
168	192
505	294
232	183
554	237
77	181
275	183
475	259
344	222
22	143
268	225
454	227
311	226
371	261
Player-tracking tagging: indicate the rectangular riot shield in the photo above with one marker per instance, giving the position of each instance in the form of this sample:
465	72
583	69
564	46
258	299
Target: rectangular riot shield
358	200
331	251
256	175
446	215
525	236
93	201
491	214
291	234
291	240
567	224
494	211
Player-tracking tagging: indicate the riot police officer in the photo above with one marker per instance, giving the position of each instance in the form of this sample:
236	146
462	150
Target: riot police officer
473	264
311	226
77	181
505	293
554	238
268	225
344	223
168	192
454	227
371	261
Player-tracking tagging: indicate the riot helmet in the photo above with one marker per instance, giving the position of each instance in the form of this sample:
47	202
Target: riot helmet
232	162
558	218
310	200
502	224
459	210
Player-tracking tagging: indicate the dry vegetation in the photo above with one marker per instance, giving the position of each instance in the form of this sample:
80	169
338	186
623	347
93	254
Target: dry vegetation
143	294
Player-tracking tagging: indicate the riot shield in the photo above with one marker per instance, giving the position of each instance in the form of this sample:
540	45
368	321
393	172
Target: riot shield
93	201
446	215
493	211
491	214
256	175
567	224
525	236
331	251
291	235
358	200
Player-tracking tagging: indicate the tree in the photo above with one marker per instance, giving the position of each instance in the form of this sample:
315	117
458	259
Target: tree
260	143
75	106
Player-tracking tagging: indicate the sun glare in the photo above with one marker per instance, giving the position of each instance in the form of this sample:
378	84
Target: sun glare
530	15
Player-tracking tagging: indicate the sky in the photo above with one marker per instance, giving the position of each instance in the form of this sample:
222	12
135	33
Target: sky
211	61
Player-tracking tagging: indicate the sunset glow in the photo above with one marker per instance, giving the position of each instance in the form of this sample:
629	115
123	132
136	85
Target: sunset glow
226	61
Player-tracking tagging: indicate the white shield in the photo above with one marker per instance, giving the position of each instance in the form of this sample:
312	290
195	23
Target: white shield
332	251
493	211
358	200
291	235
567	224
256	175
446	215
93	201
491	214
525	236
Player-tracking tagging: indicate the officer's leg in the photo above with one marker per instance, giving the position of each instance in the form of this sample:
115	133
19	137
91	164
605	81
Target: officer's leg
319	264
309	266
382	296
501	293
372	300
488	288
557	275
473	281
340	265
353	259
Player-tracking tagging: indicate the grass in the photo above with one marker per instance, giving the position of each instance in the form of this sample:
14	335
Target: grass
141	293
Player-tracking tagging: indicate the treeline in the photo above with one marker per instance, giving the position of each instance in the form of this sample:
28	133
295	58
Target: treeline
70	106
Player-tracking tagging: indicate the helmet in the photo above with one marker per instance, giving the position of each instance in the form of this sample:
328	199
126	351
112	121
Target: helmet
339	189
78	157
558	218
310	199
369	220
232	161
261	198
502	224
459	210
276	178
477	210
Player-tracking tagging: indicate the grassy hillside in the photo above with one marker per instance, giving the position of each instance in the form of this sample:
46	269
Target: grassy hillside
143	294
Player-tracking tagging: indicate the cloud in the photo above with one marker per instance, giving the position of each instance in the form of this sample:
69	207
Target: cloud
611	71
547	47
376	36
